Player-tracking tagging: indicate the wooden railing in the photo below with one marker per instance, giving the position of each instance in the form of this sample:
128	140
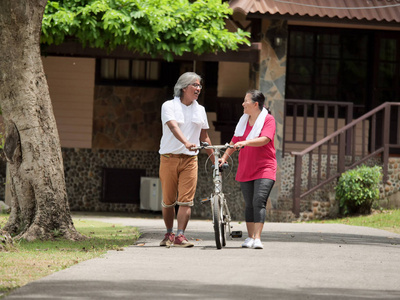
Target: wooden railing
307	121
384	134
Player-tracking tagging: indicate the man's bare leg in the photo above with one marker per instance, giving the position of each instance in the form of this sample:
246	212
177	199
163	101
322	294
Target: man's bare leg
183	217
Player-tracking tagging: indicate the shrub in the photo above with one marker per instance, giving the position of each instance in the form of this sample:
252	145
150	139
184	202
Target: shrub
357	189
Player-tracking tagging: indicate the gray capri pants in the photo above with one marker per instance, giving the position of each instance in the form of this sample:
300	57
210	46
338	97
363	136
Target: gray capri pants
255	194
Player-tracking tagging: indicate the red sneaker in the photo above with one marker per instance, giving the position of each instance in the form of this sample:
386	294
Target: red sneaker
181	241
168	240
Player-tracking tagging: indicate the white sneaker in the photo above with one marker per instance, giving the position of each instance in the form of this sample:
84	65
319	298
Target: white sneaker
248	243
257	244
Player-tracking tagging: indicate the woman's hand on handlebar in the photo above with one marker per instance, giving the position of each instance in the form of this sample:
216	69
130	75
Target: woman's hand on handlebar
221	161
239	145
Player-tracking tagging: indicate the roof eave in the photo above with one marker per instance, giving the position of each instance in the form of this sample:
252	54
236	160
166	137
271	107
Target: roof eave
335	20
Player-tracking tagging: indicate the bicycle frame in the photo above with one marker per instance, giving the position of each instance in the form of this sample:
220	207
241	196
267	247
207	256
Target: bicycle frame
220	221
219	206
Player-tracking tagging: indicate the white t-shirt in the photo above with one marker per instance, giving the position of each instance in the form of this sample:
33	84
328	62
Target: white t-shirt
194	120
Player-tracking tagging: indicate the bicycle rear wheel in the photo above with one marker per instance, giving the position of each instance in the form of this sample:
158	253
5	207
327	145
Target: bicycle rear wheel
217	222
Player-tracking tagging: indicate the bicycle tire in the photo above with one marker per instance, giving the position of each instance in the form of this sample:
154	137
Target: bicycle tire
224	223
223	238
217	222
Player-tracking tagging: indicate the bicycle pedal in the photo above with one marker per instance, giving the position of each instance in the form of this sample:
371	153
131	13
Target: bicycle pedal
202	201
236	234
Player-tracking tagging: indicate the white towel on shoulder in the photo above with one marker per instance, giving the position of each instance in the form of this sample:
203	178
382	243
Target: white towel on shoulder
257	127
196	117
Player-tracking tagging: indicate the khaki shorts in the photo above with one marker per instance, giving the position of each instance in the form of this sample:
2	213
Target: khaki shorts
178	176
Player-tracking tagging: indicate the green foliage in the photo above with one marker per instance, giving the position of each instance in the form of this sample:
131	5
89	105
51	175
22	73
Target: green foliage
57	233
381	219
155	27
358	188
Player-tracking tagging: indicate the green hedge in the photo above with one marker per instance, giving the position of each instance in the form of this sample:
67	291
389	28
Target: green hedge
357	189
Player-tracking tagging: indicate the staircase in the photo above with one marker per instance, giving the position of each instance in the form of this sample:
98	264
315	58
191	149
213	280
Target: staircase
322	163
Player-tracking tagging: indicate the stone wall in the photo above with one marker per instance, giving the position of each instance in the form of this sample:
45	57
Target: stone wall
269	76
128	118
390	192
83	169
83	176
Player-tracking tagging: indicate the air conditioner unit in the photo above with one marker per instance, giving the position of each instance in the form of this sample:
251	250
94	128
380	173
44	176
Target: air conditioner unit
150	193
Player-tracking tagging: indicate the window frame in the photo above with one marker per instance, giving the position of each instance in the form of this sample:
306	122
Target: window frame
318	61
127	82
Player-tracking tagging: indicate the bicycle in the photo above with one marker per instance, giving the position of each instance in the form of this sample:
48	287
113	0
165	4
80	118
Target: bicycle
219	206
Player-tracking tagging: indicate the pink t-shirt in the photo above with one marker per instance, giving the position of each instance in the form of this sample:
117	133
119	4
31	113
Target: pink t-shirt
258	162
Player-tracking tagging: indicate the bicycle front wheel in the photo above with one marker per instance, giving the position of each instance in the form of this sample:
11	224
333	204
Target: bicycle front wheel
217	221
224	222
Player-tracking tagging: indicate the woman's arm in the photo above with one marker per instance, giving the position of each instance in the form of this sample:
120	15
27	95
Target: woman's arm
227	154
257	142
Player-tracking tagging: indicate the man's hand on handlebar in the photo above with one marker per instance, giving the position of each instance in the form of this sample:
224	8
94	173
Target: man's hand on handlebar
202	145
189	146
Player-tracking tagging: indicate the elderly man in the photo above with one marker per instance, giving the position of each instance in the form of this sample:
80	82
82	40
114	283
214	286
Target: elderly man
185	124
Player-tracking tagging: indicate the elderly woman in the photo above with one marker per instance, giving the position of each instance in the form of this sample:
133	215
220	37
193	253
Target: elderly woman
256	172
184	124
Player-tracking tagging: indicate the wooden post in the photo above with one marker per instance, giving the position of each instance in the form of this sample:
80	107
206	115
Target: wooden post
386	134
297	184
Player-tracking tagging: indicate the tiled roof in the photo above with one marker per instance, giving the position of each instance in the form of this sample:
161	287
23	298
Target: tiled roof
370	10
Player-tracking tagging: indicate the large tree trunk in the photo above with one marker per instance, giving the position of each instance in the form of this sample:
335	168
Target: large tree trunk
39	206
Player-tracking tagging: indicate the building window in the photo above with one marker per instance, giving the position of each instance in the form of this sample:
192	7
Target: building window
127	72
328	64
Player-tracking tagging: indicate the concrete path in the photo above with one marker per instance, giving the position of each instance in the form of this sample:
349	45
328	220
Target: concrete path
299	261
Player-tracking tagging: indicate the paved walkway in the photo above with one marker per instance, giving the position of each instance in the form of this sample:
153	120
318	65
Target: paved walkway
299	261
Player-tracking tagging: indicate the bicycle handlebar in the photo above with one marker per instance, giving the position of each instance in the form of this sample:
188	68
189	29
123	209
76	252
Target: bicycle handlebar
216	154
214	147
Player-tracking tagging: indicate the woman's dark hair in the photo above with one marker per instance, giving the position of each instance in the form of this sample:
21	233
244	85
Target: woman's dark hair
257	96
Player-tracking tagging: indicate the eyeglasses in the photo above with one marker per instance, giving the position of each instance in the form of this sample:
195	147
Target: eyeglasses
196	85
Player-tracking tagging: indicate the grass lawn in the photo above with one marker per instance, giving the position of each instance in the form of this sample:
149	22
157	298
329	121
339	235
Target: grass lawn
388	220
34	260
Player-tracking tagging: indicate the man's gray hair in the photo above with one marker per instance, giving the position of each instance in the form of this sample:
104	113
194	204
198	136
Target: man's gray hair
183	81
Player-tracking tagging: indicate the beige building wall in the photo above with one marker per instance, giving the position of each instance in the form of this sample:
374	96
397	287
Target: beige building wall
71	84
233	79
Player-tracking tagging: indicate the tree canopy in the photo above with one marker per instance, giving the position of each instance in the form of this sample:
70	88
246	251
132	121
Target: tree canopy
155	27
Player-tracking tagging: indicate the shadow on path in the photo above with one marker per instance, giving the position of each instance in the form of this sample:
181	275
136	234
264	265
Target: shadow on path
148	289
298	237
